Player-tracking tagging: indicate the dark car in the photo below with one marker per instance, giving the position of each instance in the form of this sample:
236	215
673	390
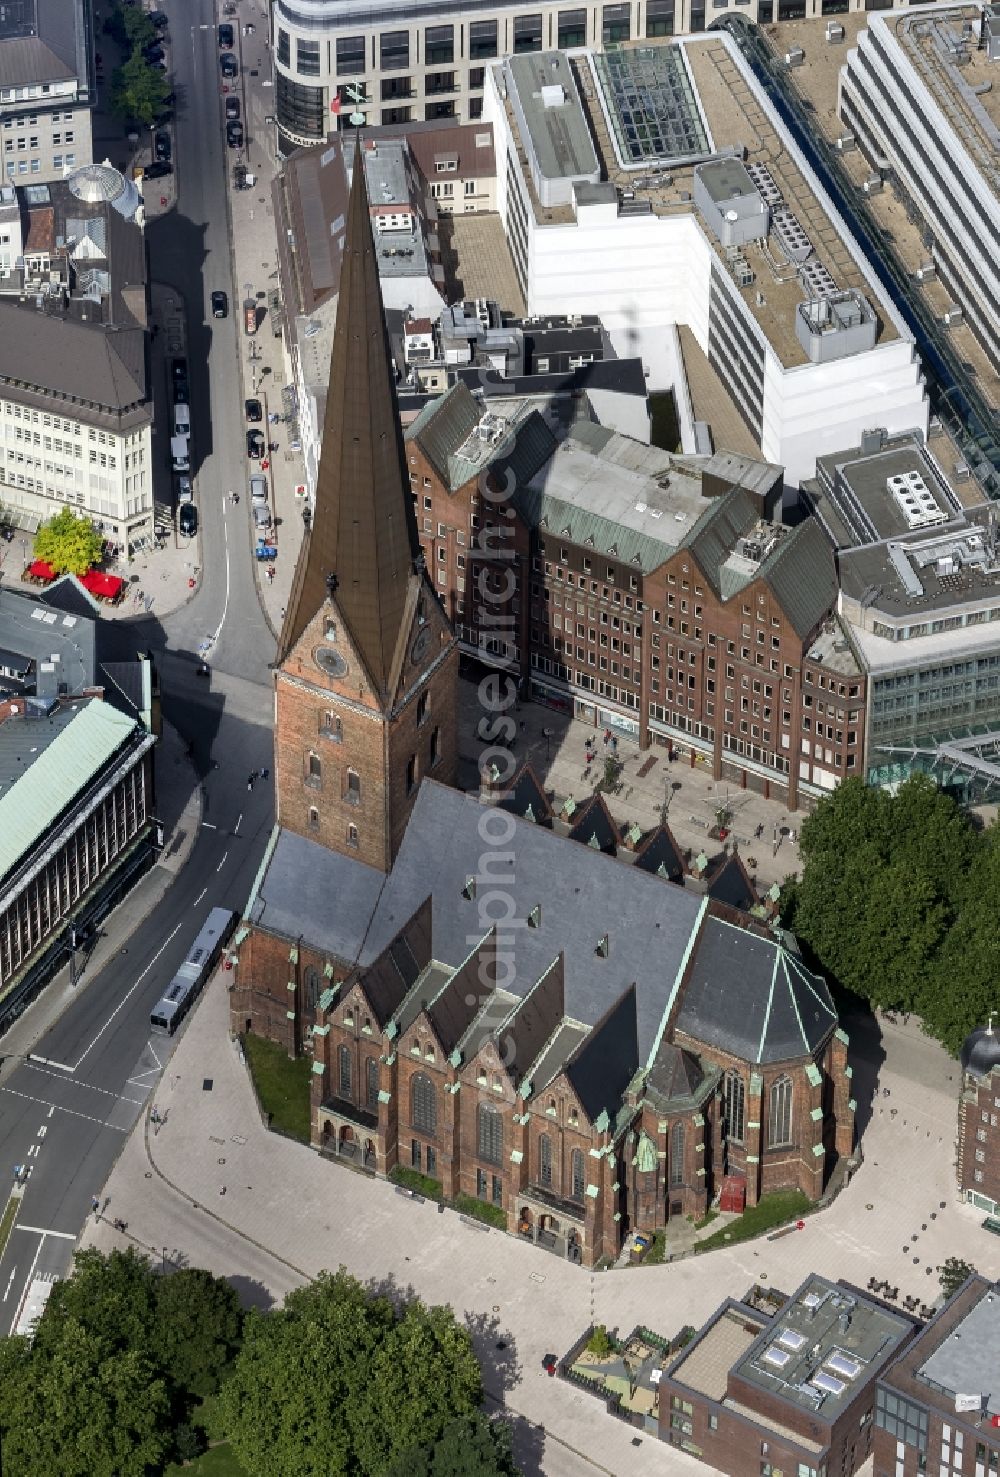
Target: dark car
227	39
187	519
153	53
178	369
159	19
182	392
234	133
255	445
232	107
228	65
158	169
162	146
254	411
220	305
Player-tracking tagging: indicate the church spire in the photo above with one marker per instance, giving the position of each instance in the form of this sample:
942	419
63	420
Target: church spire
363	540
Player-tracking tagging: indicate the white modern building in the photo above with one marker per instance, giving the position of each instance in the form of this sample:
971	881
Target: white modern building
921	94
708	217
47	88
416	59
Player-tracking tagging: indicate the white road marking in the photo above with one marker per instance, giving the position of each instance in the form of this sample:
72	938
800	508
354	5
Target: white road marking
52	1108
223	862
239	820
60	1066
207	826
33	1150
152	1052
10	1284
41	1231
200	896
87	1117
89	1085
125	998
225	604
42	1131
27	1280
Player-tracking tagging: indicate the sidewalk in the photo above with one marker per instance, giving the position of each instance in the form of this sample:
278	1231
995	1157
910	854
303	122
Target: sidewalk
179	808
215	1189
265	367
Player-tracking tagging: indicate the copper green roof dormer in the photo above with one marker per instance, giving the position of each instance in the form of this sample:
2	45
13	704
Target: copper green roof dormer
362	547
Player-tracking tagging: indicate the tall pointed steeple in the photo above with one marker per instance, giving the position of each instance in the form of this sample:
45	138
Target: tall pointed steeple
363	543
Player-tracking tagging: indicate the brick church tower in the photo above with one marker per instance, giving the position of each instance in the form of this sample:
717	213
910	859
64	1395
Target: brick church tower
367	667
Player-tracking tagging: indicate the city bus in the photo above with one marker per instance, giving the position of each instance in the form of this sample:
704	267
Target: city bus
202	957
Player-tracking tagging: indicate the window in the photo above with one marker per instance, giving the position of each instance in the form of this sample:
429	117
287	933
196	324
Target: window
573	32
307	58
314	772
284	48
734	1097
332	728
371	1082
415	1153
482	40
313	818
431	1161
497	1190
352	787
527	33
344	1060
394	51
677	1154
576	1175
352	836
311	989
544	1160
435	746
779	1118
423	703
423	1103
439	45
490	1134
350	55
411	774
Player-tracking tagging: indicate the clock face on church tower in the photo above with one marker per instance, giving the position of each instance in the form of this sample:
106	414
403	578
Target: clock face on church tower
420	644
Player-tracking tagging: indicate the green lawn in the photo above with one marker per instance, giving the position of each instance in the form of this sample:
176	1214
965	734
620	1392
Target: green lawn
282	1085
217	1462
770	1211
412	1179
481	1210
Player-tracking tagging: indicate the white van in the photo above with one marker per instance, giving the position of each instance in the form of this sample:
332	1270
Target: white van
180	453
182	420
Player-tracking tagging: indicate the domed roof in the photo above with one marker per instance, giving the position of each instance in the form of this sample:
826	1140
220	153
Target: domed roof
981	1052
96	182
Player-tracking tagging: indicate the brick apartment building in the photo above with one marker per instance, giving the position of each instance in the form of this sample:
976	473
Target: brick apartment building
642	592
937	1409
789	1391
978	1163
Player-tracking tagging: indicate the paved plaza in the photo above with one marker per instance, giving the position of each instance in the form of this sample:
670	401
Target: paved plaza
213	1188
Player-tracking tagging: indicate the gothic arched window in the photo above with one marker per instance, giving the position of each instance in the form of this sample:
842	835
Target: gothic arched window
490	1134
734	1097
544	1160
779	1117
423	1103
677	1154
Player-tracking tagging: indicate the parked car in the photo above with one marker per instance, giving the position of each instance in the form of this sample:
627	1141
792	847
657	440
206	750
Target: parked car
159	19
220	305
184	492
254	411
234	133
178	370
232	107
258	488
227	39
154	53
182	393
158	169
182	418
228	65
162	146
187	519
261	515
255	445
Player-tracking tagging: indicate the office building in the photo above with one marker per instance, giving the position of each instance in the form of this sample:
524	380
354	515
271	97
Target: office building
75	398
659	189
790	1390
919	93
979	1121
47	88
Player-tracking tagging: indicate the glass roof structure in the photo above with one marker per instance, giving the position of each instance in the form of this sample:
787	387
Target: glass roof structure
652	106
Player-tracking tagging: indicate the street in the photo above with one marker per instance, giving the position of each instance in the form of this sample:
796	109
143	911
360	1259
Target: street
65	1112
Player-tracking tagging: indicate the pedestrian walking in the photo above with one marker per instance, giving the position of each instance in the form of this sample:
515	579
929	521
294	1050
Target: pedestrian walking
250	779
236	497
95	1204
264	772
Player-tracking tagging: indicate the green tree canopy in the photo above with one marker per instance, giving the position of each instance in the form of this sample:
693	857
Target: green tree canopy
897	901
68	543
197	1328
470	1446
139	91
338	1382
953	1273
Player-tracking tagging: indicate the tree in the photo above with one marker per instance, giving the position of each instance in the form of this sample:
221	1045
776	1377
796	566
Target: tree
599	1344
953	1273
471	1446
138	91
338	1382
138	29
112	1297
197	1329
83	1412
68	543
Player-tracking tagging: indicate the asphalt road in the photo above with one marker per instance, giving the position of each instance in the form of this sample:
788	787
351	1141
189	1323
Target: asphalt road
66	1112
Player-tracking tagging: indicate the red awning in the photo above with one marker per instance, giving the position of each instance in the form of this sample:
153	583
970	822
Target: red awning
40	571
104	586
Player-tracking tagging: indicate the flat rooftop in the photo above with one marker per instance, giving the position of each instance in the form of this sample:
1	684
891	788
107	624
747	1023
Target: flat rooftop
967	1361
883	494
922	574
561	139
712	1355
942	46
824	1343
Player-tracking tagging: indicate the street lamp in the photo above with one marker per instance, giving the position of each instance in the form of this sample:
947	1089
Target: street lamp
547	736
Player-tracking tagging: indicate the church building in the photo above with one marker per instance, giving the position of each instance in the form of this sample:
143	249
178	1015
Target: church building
539	1011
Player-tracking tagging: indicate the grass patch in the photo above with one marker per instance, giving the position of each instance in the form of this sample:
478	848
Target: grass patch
412	1179
657	1247
665	429
770	1211
282	1085
7	1221
706	1220
480	1210
218	1461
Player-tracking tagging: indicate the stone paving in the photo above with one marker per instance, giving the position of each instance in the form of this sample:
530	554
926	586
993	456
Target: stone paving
215	1189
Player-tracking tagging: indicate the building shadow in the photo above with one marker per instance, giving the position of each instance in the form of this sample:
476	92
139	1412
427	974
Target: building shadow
251	1293
865	1055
